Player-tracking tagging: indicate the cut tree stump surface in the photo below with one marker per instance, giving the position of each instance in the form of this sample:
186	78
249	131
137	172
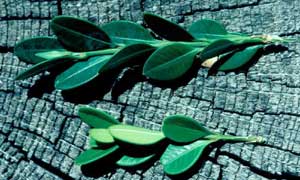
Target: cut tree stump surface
40	133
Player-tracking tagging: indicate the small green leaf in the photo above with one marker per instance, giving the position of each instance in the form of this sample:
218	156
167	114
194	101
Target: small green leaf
178	159
54	54
170	62
239	58
81	73
216	48
206	27
78	34
96	118
93	143
135	135
42	66
26	49
92	155
101	136
128	54
126	32
167	29
129	161
181	128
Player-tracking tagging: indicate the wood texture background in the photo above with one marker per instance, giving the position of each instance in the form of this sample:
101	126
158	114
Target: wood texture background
40	134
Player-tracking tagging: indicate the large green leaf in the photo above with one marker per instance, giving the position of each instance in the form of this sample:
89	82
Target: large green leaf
166	29
92	155
96	118
135	135
126	32
42	66
181	128
79	35
170	62
129	54
216	48
206	27
178	159
26	50
81	73
240	58
129	161
101	136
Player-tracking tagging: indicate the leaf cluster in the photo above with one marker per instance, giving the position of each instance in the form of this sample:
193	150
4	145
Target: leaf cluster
186	140
94	50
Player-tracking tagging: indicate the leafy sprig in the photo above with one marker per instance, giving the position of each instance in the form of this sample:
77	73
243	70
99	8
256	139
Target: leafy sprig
95	49
186	140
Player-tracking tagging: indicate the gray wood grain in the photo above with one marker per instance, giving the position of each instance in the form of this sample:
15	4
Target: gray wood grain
40	133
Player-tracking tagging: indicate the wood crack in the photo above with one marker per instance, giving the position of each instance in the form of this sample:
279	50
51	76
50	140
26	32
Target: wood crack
256	170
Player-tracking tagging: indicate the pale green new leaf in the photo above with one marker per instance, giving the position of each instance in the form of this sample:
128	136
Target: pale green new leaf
135	135
101	136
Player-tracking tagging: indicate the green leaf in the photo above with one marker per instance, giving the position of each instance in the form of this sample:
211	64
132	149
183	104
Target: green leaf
129	161
181	129
126	32
42	66
167	29
54	54
216	48
101	136
128	55
93	143
178	159
135	135
26	49
81	73
240	58
92	155
206	27
170	62
96	118
79	35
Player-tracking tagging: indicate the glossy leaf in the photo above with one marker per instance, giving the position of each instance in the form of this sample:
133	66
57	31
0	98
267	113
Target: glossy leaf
81	73
240	58
129	161
26	50
41	67
129	54
79	35
92	155
181	128
178	159
101	136
96	118
216	48
126	32
206	27
170	62
135	135
166	29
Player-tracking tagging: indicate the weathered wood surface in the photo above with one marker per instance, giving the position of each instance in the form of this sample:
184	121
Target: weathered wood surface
40	134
